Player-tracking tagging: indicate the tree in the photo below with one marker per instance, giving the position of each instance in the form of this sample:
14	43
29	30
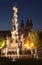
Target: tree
40	39
22	24
34	38
30	23
27	23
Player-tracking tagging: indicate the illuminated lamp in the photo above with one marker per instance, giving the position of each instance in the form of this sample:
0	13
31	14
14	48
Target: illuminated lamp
28	44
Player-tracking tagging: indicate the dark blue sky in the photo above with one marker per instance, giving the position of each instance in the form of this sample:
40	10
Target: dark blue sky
27	9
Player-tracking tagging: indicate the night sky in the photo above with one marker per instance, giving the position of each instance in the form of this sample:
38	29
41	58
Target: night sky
31	9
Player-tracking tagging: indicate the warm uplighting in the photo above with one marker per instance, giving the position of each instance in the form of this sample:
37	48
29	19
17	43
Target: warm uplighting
32	45
26	46
29	44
